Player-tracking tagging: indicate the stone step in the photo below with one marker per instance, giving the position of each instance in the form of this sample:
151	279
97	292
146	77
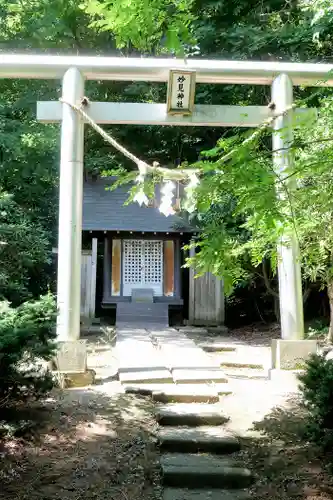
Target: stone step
186	394
143	295
217	347
234	360
143	308
135	352
135	323
181	352
195	440
188	375
192	415
216	494
217	330
193	329
246	373
142	318
201	471
155	306
146	376
167	393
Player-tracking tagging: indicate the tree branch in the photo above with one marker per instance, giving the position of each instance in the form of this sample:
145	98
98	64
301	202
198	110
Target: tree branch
266	280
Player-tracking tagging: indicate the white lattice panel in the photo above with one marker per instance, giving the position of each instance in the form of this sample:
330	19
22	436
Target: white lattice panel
142	265
152	262
132	262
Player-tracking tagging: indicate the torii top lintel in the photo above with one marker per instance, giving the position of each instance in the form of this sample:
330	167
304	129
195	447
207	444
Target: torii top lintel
157	70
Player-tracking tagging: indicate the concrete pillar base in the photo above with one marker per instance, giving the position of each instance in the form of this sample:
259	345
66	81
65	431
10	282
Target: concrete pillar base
71	357
75	379
292	354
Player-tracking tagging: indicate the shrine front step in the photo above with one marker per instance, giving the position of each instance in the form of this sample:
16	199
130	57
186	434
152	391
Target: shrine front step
143	314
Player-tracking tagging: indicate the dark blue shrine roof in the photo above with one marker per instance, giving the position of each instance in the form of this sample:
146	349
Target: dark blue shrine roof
104	210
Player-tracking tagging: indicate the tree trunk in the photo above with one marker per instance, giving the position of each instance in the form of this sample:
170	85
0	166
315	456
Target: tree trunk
330	298
277	308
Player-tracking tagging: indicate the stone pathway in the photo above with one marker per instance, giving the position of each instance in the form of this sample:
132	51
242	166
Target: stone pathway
163	355
237	359
190	433
198	460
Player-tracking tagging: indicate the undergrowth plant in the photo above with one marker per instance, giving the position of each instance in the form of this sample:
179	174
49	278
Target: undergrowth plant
27	339
317	393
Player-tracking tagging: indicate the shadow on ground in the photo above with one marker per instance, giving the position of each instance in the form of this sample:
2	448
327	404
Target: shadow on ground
85	444
285	464
80	444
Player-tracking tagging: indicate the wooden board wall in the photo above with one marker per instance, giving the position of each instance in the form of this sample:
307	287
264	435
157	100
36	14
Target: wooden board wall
169	268
206	299
116	267
88	280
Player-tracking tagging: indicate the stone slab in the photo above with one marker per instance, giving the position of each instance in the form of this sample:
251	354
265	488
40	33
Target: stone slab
216	494
182	393
186	393
198	375
135	351
246	373
200	471
217	347
145	376
291	354
71	356
143	295
200	439
241	360
179	351
138	389
217	330
193	329
190	415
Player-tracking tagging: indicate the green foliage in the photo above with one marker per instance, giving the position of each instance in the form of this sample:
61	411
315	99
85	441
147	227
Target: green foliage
24	246
318	329
26	338
321	14
237	215
317	394
240	170
147	25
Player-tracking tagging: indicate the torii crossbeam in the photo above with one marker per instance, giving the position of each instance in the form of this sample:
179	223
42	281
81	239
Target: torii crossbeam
75	70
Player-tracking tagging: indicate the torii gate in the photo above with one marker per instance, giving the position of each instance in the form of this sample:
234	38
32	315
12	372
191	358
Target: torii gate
75	70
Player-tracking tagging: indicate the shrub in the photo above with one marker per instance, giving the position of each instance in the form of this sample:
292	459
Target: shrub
24	251
26	342
317	392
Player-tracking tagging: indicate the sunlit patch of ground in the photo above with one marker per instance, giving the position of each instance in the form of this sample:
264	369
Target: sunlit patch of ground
83	444
98	443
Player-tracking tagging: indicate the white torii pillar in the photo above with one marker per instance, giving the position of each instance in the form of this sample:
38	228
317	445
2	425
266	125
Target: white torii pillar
70	210
290	283
289	269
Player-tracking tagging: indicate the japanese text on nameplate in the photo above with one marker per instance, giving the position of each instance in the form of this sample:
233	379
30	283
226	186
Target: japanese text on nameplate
180	92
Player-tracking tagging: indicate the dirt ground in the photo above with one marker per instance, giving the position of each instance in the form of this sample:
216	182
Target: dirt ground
98	443
82	444
271	425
